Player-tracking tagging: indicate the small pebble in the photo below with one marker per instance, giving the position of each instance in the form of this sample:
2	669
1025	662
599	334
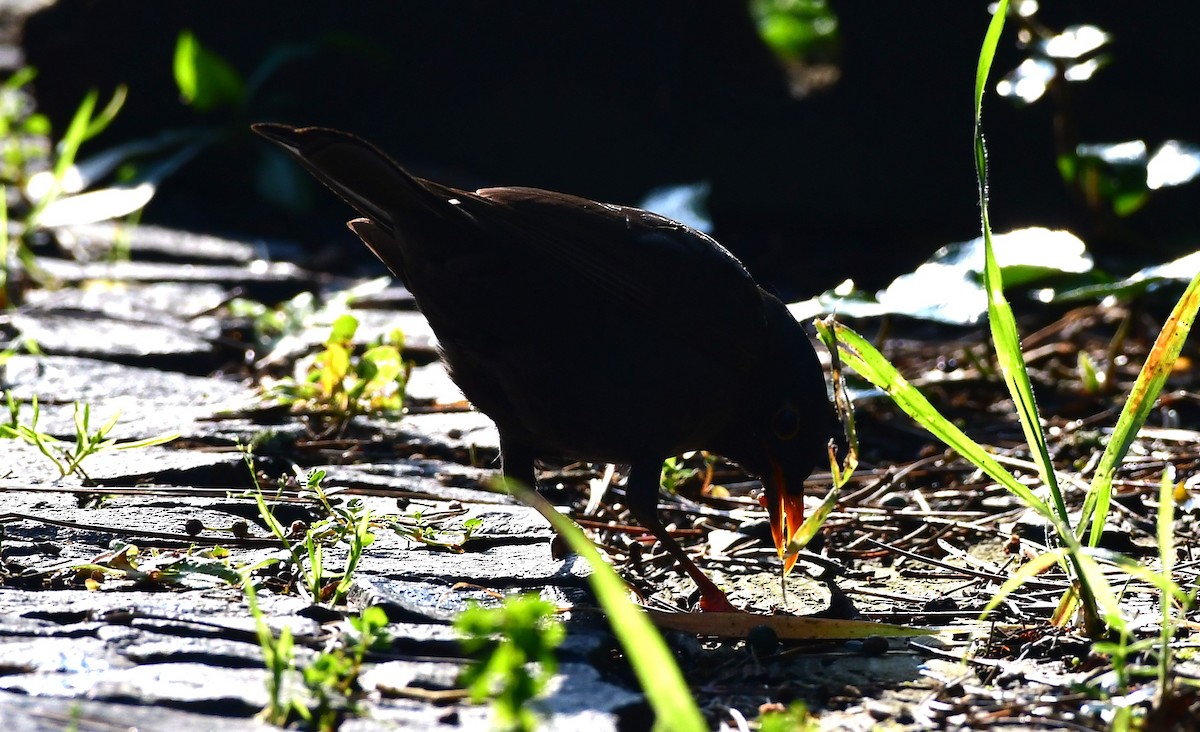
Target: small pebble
875	645
762	640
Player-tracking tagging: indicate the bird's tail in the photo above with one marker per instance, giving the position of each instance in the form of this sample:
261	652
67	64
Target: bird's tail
355	170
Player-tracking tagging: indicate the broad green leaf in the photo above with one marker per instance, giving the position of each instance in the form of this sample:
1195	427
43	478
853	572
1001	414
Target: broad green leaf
1181	270
948	287
94	206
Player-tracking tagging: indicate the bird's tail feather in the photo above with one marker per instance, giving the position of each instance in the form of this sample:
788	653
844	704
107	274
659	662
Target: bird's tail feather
381	243
355	170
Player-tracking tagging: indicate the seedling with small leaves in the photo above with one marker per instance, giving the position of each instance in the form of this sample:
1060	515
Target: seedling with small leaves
427	529
279	657
514	644
127	563
332	677
676	471
795	718
68	460
339	384
350	525
326	691
21	153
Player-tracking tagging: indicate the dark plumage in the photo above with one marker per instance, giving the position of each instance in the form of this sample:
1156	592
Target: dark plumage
592	331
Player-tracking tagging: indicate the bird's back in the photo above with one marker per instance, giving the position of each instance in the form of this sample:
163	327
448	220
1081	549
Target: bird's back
583	329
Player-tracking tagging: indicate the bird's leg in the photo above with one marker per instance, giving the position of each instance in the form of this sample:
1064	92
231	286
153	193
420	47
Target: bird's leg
641	495
516	463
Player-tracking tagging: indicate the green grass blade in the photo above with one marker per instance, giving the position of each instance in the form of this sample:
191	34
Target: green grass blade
1028	571
83	413
842	402
74	136
104	430
1016	377
1155	578
20	78
1000	318
1090	572
858	353
83	126
4	298
1095	591
102	120
988	52
1166	554
148	441
813	523
1138	404
1097	599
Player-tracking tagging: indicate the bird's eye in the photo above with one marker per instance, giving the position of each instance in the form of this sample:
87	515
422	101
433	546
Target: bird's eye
786	423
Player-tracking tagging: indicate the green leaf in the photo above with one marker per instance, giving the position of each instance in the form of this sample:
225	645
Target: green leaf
1000	317
948	287
1096	596
988	52
335	364
858	353
205	80
1028	571
82	127
1096	592
793	29
20	78
386	365
1012	365
812	524
36	124
1138	405
343	329
101	121
1180	270
149	441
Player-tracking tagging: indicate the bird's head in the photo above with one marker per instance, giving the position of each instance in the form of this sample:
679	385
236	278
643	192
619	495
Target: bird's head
794	423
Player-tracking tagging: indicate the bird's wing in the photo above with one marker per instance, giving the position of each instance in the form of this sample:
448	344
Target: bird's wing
655	265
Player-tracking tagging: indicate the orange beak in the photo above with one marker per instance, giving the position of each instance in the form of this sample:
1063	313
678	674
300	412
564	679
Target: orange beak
786	512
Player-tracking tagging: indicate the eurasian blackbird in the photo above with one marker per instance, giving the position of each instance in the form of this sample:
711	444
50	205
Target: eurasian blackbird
593	331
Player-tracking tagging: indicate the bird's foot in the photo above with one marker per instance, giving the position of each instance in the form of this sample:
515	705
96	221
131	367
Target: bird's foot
712	600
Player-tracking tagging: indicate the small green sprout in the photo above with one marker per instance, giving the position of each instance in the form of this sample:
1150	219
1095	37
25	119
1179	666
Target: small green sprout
514	644
796	718
340	384
69	460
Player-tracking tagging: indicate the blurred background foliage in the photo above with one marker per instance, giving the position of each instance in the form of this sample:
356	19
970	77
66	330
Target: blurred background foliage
830	138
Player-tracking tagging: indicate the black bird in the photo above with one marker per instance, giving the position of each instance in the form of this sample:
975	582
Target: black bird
592	331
